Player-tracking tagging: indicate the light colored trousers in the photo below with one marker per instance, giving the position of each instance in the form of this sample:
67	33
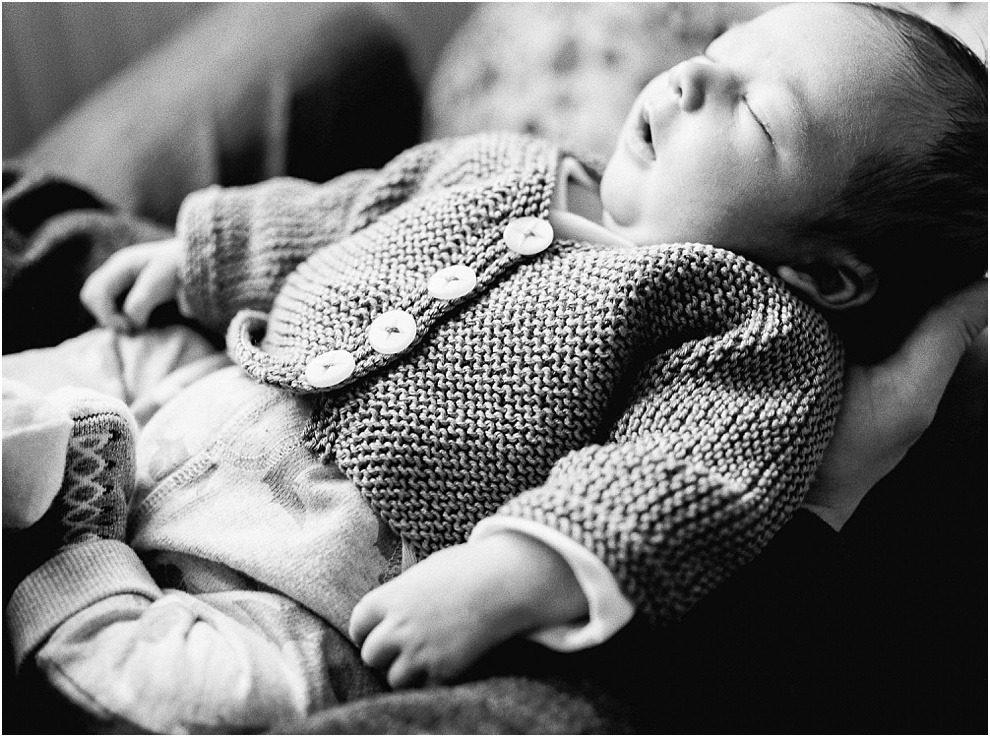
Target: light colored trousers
245	554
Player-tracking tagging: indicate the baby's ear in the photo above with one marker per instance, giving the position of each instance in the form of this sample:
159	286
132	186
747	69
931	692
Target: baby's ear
840	283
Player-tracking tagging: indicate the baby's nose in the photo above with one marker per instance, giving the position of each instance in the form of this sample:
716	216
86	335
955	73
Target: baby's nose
693	82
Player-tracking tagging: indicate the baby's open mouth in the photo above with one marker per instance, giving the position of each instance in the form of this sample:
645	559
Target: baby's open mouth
646	132
638	139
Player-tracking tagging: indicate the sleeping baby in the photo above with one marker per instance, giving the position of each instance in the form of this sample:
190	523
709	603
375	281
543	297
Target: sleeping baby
489	392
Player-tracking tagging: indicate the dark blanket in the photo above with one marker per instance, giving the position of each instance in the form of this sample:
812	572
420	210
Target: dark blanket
54	235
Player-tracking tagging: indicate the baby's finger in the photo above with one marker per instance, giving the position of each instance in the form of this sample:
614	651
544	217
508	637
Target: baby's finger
104	286
154	286
405	672
364	618
380	648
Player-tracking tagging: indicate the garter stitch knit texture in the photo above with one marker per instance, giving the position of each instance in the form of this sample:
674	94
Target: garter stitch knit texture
665	406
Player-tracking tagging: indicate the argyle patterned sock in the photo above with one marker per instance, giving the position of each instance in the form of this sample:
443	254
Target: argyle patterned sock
99	469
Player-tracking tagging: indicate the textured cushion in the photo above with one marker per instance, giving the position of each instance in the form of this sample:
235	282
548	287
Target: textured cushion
568	71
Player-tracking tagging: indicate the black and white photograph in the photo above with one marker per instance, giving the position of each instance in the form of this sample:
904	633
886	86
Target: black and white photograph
495	368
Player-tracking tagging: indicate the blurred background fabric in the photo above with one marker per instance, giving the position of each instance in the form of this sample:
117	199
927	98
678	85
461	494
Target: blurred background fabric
54	54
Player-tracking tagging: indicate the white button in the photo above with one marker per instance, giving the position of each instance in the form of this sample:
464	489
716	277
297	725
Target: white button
392	331
330	368
528	235
452	282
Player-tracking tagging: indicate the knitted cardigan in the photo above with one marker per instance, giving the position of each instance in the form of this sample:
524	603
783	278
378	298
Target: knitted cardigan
665	406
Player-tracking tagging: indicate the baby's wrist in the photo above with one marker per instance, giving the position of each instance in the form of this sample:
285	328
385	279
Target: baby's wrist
536	585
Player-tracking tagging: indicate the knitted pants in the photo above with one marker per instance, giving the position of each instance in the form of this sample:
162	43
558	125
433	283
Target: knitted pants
224	610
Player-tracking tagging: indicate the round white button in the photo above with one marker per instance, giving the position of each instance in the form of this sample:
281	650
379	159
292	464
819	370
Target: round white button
453	282
528	235
392	331
330	368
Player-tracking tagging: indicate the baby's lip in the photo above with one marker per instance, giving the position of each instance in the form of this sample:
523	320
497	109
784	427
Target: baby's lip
649	128
638	137
637	143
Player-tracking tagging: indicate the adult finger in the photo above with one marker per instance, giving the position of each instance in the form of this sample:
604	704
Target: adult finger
155	285
932	351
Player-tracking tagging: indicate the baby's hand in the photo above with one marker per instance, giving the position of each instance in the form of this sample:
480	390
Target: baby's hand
147	272
434	621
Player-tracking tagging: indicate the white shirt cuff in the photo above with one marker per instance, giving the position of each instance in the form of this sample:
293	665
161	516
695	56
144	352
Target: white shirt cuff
608	608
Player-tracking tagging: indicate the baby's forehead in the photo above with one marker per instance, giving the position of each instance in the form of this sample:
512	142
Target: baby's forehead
835	61
837	28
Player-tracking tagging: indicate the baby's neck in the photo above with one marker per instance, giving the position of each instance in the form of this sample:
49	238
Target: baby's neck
579	217
577	190
577	210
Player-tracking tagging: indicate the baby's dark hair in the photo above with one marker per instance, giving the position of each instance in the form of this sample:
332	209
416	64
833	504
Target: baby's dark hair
919	221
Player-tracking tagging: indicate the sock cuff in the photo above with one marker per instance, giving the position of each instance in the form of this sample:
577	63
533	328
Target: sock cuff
79	403
78	576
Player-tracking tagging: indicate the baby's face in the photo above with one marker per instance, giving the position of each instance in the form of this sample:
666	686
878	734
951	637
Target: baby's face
766	125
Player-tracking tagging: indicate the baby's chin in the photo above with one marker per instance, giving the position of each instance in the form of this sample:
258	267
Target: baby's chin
609	222
626	233
620	208
614	227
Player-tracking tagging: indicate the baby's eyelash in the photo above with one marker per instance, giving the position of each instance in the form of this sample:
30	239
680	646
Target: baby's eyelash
757	118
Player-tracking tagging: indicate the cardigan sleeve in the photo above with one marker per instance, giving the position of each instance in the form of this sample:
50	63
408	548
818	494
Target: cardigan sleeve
712	451
241	242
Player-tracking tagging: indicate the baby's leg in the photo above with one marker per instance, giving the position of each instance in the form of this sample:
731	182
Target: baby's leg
99	468
97	482
143	371
106	636
139	657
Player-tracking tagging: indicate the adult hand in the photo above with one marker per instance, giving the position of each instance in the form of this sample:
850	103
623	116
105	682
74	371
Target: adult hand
886	407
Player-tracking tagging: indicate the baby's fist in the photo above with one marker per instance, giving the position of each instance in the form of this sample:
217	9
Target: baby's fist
431	623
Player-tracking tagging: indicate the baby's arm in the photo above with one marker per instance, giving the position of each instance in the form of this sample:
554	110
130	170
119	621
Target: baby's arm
236	245
431	623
